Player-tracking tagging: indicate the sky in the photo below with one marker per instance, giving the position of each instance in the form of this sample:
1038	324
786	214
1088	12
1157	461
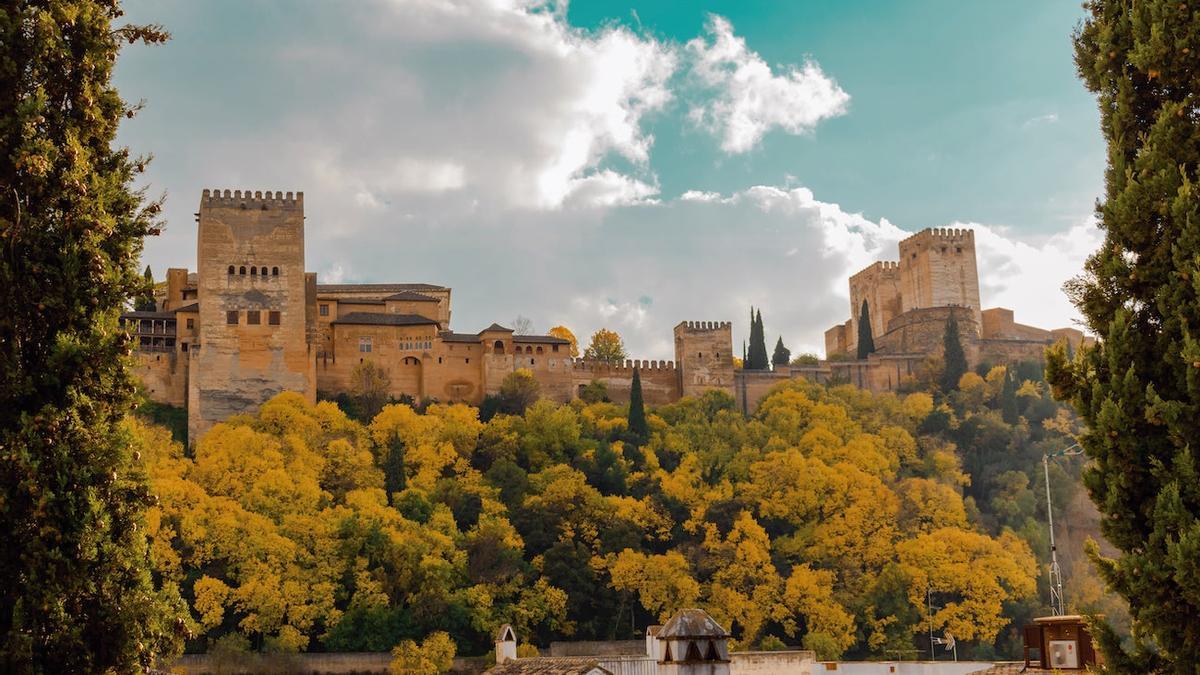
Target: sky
631	165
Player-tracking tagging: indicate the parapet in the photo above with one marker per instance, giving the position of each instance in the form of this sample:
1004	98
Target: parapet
248	199
930	234
881	268
703	326
619	367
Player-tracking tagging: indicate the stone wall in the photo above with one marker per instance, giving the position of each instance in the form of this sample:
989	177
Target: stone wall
597	648
339	663
660	379
790	662
922	331
879	285
164	375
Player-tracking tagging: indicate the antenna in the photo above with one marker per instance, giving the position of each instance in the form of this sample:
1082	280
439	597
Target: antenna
1056	591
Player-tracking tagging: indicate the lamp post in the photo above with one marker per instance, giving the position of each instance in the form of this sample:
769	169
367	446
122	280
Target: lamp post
1056	592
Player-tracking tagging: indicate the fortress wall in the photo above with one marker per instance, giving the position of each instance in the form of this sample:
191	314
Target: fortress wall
922	331
837	339
164	375
790	662
1012	351
660	379
752	386
938	269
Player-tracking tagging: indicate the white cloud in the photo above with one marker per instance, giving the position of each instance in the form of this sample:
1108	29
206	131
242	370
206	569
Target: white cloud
1049	118
749	99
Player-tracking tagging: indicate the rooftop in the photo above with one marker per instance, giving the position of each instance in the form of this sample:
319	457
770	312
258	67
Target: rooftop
410	296
541	339
148	315
377	288
379	319
692	623
494	328
546	665
450	336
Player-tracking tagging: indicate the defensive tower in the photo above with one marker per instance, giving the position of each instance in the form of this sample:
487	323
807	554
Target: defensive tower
937	269
704	356
879	285
254	337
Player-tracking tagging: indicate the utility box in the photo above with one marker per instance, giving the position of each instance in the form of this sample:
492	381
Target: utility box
1061	642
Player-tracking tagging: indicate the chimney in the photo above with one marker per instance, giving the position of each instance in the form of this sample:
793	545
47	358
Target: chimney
506	644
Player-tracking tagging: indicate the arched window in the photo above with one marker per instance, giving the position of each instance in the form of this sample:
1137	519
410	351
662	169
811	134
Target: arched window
498	348
232	269
528	349
274	271
539	350
253	271
242	270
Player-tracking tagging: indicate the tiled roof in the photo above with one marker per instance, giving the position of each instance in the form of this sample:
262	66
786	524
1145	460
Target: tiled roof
543	665
380	319
495	327
448	336
410	296
351	301
194	307
541	339
147	315
692	623
377	288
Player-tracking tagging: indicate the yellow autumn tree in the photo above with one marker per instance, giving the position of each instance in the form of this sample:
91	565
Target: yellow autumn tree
664	583
434	656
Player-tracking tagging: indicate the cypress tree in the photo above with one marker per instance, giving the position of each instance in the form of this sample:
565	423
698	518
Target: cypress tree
1138	388
76	595
955	360
782	355
638	428
145	301
758	358
866	339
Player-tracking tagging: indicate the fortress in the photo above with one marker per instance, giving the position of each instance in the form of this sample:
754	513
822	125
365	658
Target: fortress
250	322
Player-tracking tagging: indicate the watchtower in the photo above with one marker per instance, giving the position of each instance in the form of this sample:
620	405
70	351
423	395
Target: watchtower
938	269
692	643
879	285
704	356
253	341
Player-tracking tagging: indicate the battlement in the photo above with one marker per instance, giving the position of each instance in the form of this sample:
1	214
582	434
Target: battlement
703	325
885	268
248	198
930	234
619	368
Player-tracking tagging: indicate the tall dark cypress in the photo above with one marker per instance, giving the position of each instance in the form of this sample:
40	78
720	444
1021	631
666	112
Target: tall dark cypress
145	301
866	339
953	356
782	355
638	429
76	595
1138	388
758	358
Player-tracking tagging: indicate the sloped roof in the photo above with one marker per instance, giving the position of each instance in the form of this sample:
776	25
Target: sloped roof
542	665
541	339
450	336
495	327
148	315
692	623
410	296
506	633
194	307
381	319
377	288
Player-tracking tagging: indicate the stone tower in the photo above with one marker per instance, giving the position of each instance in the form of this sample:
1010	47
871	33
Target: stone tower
254	337
937	269
704	356
879	285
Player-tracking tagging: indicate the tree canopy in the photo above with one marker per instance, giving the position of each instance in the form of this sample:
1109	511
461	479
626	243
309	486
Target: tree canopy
606	345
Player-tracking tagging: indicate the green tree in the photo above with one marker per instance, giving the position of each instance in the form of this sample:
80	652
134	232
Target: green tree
954	359
866	339
145	300
782	355
369	385
518	391
1138	389
606	345
75	593
638	429
756	358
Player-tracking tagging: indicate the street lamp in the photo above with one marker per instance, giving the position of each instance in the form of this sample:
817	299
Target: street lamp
1056	592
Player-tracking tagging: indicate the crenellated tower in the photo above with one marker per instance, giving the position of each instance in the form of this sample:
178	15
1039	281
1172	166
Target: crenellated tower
937	269
704	356
252	288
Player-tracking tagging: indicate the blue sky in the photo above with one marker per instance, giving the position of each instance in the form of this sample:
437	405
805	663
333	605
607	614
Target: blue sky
632	165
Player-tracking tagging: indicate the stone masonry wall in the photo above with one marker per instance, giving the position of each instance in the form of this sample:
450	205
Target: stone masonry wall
938	269
704	356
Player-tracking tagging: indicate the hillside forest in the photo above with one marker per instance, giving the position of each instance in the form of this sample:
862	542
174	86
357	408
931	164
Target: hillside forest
832	518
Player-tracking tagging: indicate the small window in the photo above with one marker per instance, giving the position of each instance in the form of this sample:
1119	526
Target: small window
699	355
253	271
183	347
231	318
274	271
439	359
539	349
943	250
253	317
498	347
958	249
191	324
531	362
324	310
232	269
554	348
468	359
693	652
364	344
273	318
242	270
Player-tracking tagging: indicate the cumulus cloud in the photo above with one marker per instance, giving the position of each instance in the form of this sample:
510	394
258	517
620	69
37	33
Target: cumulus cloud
749	100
